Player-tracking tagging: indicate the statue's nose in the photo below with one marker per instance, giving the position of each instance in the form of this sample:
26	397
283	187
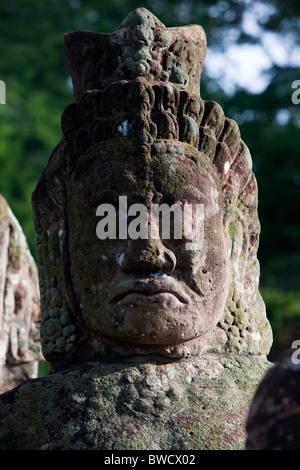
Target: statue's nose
148	257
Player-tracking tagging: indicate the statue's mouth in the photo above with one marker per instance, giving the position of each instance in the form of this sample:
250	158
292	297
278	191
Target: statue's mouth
150	287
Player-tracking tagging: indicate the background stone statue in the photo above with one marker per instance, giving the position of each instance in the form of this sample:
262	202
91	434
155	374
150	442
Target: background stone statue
273	419
20	349
151	345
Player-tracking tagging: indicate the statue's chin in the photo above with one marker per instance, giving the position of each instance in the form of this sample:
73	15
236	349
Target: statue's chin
159	321
147	336
212	341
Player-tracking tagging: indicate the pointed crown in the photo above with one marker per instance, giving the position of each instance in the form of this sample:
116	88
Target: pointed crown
140	47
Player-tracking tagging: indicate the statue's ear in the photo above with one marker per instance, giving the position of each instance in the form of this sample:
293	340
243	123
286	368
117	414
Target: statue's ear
61	325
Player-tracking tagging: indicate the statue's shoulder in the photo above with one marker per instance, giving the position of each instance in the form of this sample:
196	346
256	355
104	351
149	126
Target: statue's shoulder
18	408
30	411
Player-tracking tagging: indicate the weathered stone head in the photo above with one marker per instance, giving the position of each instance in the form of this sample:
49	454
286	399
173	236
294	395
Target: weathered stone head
20	315
139	132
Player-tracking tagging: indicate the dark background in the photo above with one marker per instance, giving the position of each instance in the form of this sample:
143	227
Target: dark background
253	59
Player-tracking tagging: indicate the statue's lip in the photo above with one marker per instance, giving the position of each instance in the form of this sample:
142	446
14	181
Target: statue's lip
163	284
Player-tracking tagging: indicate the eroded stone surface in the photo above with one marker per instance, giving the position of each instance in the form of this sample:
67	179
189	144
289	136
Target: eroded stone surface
187	404
20	348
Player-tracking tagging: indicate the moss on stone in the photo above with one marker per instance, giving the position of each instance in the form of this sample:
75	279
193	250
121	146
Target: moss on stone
188	404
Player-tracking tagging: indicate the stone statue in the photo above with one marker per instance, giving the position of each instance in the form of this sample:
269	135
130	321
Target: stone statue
152	345
20	349
273	419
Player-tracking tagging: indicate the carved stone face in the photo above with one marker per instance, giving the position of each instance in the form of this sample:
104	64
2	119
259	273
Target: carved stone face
146	291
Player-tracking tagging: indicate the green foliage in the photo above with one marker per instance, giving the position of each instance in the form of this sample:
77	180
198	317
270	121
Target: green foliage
281	305
44	368
283	311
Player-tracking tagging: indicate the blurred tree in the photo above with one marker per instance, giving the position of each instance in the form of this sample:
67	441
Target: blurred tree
243	35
